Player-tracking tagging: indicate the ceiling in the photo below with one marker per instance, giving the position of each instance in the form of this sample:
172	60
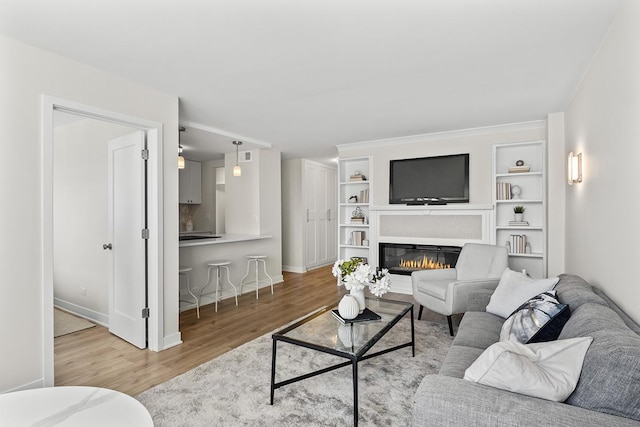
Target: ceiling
306	75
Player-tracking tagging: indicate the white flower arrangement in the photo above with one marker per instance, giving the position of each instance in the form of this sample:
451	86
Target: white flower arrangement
356	274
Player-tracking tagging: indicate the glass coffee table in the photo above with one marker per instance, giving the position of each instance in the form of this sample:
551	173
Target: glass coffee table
321	331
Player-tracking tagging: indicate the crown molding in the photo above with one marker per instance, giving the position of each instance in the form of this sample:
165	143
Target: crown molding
439	136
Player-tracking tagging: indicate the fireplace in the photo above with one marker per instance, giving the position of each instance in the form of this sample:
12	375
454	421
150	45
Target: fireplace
407	258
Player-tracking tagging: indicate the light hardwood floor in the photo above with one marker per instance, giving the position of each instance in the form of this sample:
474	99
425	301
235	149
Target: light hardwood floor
95	357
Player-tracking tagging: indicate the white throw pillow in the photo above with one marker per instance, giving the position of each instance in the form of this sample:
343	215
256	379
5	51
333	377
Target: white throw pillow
514	289
548	370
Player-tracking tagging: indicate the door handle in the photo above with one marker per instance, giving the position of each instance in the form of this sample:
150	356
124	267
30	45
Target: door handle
107	246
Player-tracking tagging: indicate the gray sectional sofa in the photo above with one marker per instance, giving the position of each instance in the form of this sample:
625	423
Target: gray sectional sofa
607	394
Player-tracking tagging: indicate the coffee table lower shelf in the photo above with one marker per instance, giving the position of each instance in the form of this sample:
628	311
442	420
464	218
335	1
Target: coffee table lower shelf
353	357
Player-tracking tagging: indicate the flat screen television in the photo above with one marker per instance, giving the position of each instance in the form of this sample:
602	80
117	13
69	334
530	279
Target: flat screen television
429	180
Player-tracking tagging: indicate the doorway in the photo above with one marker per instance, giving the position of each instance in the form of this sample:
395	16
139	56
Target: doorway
152	131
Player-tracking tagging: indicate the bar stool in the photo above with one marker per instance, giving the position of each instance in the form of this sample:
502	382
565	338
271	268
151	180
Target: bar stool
184	271
257	259
217	266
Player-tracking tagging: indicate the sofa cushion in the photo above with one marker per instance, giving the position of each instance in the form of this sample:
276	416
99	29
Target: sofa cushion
478	329
514	289
574	291
458	359
548	370
613	306
610	378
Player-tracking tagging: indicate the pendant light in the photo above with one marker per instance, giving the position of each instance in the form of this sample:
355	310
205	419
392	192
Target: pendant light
236	169
181	164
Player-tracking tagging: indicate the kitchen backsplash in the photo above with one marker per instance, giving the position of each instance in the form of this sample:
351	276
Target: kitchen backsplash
186	217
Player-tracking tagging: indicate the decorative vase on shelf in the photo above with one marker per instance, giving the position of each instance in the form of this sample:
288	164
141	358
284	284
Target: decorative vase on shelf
518	217
359	296
349	307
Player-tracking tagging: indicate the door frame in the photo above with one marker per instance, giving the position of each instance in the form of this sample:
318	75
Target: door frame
155	276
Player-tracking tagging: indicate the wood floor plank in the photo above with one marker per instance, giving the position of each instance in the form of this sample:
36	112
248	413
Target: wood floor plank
97	358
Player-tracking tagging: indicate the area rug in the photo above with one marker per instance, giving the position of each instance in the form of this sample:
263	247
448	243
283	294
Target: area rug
65	323
233	389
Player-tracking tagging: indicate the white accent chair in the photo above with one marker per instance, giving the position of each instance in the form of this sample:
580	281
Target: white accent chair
446	291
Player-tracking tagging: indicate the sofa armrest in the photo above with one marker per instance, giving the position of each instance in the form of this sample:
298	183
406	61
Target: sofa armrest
448	401
479	299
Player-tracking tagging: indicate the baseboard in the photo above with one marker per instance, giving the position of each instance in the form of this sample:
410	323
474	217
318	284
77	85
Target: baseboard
39	383
293	269
93	316
171	341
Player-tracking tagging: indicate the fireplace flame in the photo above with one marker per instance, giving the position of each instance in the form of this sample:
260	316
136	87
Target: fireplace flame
423	264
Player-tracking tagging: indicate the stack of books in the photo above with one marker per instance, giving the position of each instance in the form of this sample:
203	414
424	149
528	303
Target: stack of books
366	316
364	196
503	191
358	220
357	237
519	169
357	177
518	223
518	244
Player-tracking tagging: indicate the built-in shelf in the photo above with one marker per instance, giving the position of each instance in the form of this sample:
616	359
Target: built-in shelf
347	189
532	195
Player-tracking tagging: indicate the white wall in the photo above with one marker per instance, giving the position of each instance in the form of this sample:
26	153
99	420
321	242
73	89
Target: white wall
556	173
80	215
243	195
292	216
602	123
25	74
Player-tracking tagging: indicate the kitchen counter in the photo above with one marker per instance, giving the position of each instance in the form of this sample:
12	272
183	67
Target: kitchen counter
222	238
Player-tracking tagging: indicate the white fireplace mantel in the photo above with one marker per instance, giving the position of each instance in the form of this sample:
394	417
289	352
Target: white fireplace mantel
451	225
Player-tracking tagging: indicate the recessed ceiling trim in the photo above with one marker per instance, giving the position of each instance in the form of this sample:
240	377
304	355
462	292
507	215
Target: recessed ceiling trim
439	136
231	135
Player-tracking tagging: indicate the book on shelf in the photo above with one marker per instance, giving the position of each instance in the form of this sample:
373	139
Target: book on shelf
519	223
359	220
503	191
519	244
364	196
519	169
366	316
357	237
357	177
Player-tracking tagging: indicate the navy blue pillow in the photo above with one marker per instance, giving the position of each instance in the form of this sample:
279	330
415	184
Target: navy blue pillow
538	320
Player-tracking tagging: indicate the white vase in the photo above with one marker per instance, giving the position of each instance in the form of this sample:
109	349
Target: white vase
359	296
349	307
518	216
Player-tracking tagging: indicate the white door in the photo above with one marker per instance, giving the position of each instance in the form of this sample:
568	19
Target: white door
126	246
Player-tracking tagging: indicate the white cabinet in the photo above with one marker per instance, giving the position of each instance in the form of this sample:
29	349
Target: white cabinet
521	186
354	191
190	183
320	211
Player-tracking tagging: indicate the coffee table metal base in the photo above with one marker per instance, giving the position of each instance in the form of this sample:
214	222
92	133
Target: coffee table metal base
353	361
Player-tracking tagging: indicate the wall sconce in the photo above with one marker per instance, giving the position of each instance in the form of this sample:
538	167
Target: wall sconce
236	169
180	158
574	168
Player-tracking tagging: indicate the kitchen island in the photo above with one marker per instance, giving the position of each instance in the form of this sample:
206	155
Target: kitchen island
198	248
207	238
